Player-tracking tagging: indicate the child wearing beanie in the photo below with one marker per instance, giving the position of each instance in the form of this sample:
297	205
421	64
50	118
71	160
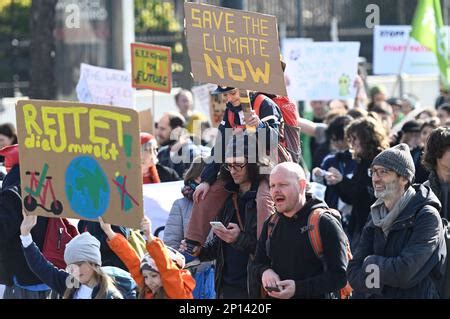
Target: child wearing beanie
160	274
84	278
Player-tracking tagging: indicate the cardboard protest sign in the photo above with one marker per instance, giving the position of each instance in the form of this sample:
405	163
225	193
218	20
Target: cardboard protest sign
104	86
321	70
234	48
202	94
80	161
389	45
151	67
146	121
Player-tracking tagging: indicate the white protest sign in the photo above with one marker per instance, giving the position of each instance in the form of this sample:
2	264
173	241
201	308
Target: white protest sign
104	86
158	200
389	44
202	98
320	70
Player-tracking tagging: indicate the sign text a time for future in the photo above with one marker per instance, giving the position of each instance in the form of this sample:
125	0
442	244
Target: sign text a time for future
150	74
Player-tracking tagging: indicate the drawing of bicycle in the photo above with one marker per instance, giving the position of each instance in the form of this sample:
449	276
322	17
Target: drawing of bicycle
38	189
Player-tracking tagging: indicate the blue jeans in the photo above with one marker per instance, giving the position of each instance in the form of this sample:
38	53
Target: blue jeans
204	287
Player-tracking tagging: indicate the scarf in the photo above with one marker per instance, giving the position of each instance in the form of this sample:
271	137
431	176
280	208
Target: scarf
385	219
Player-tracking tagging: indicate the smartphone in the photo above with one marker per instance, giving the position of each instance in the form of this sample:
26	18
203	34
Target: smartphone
324	173
217	225
270	289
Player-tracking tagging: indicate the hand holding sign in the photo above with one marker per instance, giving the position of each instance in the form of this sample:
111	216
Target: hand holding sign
251	119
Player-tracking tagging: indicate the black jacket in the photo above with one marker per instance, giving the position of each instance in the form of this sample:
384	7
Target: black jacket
109	258
292	257
12	260
167	174
246	242
435	185
358	191
410	260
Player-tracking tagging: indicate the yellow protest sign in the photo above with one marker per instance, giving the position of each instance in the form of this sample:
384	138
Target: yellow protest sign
151	67
80	161
234	48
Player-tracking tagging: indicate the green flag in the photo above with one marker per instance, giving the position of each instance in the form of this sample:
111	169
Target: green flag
428	29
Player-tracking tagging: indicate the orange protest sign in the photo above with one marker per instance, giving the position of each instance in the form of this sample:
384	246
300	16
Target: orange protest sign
151	67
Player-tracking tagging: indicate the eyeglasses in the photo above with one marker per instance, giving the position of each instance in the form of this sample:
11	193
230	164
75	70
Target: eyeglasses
380	172
236	167
147	147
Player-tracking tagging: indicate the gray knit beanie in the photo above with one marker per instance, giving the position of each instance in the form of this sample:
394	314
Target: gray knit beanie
397	159
83	247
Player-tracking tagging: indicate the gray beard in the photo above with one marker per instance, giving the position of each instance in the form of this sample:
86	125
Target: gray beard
390	189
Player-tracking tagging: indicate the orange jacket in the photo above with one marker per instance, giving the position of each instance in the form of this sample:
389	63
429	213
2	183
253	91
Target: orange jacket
177	283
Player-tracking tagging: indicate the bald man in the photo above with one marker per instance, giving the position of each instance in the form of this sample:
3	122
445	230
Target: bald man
285	260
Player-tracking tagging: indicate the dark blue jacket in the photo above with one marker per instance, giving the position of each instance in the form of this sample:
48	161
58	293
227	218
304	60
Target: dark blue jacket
267	110
57	279
357	191
412	257
12	260
346	165
185	157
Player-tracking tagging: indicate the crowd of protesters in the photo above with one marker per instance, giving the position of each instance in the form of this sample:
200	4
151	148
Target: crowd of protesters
378	230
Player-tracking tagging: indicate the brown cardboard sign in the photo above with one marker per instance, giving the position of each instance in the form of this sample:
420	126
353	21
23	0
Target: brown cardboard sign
80	161
146	121
234	48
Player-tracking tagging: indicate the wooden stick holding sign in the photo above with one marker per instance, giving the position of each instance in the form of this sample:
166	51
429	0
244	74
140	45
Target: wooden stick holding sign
247	109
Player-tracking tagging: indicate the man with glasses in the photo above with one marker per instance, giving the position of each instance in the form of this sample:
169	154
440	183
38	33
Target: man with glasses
234	245
401	253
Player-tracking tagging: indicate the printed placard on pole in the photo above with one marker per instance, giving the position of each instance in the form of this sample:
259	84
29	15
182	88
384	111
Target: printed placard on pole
321	70
234	48
104	86
80	161
151	67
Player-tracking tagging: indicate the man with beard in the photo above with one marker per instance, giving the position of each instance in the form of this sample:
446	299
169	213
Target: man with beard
401	253
176	150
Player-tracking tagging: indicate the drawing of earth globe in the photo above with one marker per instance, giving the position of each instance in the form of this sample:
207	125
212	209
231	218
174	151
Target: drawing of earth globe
87	188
